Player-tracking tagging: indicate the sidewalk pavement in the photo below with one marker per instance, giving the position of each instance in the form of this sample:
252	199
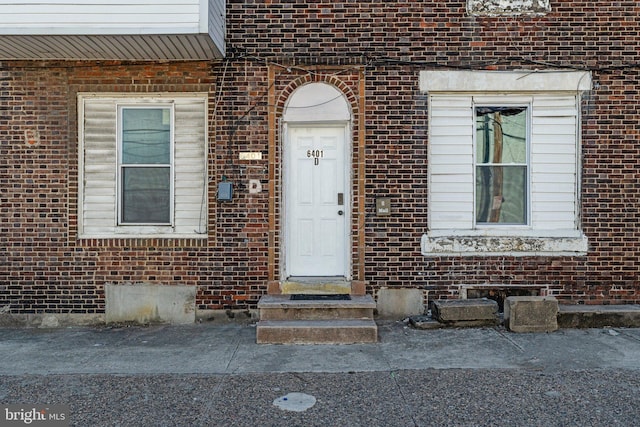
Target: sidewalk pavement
230	348
216	375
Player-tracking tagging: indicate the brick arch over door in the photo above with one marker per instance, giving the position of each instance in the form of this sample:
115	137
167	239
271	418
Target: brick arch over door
350	84
316	102
329	80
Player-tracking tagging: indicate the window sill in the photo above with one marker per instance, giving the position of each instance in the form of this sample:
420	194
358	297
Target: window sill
517	243
143	236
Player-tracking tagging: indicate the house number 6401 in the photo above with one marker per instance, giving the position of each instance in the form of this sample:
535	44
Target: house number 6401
316	154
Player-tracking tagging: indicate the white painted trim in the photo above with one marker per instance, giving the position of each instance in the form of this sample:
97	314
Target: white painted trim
144	235
471	244
203	19
511	232
316	102
80	172
508	7
121	166
286	185
526	103
505	81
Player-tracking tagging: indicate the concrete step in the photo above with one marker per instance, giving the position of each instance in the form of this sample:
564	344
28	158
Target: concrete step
315	285
281	307
349	331
598	316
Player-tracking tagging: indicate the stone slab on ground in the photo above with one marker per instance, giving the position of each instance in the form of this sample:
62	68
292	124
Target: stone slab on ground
599	316
424	322
466	312
399	303
531	314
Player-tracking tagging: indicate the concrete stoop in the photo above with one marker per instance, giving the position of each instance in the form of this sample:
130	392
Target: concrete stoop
285	321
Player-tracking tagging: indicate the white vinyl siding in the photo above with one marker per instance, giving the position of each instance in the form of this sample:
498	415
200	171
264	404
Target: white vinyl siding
117	29
554	159
98	166
100	17
451	162
217	22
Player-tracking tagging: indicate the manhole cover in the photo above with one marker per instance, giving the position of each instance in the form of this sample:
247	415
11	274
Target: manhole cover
312	297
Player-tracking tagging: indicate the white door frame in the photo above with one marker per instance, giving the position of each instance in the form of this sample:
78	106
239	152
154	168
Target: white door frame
287	193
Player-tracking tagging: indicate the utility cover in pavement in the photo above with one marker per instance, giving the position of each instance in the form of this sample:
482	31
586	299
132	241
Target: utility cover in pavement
320	297
297	402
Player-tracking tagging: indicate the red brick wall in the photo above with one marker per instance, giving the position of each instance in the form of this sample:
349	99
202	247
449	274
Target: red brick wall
395	40
44	268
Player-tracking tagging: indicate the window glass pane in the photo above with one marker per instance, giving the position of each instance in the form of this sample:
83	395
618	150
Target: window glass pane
501	194
146	136
501	135
146	195
501	165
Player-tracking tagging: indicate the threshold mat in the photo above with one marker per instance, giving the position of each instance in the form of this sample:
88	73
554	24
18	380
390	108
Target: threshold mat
320	297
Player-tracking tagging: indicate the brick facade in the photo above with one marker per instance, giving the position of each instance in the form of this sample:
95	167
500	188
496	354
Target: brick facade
373	52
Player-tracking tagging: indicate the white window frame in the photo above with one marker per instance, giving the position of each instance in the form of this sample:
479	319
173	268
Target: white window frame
500	88
512	102
121	165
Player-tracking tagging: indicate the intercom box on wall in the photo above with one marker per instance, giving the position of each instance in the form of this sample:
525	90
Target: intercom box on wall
225	191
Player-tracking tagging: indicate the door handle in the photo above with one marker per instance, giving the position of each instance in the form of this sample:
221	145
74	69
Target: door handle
340	212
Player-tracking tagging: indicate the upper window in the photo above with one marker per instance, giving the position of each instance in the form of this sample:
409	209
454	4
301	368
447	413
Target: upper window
503	162
143	169
508	7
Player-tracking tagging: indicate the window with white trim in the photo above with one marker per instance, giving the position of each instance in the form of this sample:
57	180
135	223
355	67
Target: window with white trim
503	162
142	165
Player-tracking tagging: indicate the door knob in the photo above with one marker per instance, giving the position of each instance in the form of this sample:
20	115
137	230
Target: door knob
340	213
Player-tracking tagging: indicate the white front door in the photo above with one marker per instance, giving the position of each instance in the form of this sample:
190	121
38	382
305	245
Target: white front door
316	201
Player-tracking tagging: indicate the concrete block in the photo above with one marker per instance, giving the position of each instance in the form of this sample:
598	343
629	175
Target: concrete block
531	314
599	316
400	303
148	303
466	312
